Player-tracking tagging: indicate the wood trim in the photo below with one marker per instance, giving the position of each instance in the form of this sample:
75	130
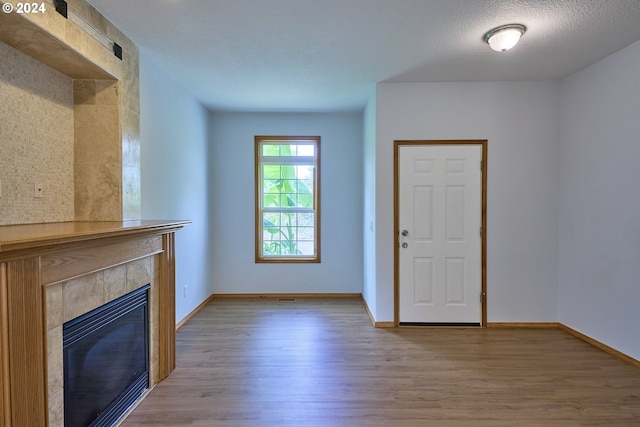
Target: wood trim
194	312
366	307
259	258
298	295
396	228
77	261
5	391
167	303
522	325
384	325
571	331
27	376
483	240
373	321
599	345
396	215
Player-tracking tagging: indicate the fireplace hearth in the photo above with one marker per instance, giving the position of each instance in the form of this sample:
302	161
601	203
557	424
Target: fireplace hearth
106	360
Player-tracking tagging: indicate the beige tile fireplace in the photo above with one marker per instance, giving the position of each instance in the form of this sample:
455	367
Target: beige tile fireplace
72	298
52	273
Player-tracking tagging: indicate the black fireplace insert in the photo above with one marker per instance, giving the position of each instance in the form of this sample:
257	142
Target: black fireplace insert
106	360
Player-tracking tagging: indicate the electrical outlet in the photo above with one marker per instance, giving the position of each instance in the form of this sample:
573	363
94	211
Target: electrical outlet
38	190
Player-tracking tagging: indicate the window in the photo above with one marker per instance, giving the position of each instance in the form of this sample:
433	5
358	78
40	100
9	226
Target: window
287	198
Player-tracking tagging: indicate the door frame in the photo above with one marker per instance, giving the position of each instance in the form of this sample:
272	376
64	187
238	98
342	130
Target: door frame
396	215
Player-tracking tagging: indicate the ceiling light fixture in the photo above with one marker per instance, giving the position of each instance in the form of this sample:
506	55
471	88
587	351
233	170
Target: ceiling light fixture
504	37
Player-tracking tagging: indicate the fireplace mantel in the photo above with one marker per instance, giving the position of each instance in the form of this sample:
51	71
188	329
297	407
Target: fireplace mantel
35	257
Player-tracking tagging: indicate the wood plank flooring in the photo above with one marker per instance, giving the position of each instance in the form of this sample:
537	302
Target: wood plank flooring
316	362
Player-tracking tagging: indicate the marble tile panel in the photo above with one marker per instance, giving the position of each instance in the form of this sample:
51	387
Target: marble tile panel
56	409
72	35
97	19
130	83
115	282
54	306
139	273
82	295
98	192
107	92
97	133
131	179
131	137
84	92
55	361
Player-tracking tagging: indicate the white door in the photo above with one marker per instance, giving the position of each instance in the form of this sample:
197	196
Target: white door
440	244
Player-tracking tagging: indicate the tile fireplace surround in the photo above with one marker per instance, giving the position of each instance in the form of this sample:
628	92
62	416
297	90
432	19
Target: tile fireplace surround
52	273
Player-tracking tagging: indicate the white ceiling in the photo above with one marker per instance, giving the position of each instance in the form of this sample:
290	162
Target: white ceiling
327	55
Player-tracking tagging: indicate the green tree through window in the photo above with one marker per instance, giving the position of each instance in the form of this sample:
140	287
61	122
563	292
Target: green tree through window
287	199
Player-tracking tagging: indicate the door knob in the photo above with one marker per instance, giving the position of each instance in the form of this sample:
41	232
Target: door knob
404	233
405	245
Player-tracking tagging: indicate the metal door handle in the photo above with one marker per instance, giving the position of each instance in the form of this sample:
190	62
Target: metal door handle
405	245
404	233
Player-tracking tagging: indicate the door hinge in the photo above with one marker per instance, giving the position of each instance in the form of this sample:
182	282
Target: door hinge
480	231
481	165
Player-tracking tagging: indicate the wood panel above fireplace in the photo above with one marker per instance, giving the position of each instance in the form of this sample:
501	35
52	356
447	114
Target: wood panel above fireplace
36	257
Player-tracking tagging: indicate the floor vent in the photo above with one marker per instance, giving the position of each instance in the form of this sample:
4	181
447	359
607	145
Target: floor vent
286	300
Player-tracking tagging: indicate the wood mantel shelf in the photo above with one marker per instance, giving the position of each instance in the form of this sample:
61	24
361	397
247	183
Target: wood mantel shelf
38	236
35	258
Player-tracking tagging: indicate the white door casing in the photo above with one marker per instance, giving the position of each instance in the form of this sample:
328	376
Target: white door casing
440	257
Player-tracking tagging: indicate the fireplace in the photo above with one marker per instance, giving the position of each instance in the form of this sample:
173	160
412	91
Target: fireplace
106	360
51	274
74	298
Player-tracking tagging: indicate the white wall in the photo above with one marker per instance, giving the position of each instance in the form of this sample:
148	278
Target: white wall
232	185
519	119
369	202
599	220
174	176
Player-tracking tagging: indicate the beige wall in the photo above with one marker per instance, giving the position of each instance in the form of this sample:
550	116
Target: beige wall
36	139
70	119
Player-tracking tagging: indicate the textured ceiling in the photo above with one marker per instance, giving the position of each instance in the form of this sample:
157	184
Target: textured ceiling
327	55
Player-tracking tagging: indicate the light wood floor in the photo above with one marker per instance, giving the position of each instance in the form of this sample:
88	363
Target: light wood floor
316	362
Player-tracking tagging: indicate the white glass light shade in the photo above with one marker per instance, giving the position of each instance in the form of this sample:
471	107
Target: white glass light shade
504	38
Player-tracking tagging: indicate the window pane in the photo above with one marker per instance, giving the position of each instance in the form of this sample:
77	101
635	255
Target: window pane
305	219
305	233
289	149
306	248
271	172
306	150
270	149
271	219
304	172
